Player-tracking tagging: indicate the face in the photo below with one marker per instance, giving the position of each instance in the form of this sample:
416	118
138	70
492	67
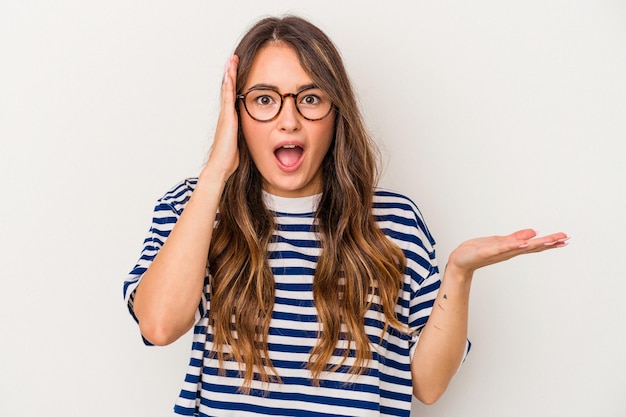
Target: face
288	150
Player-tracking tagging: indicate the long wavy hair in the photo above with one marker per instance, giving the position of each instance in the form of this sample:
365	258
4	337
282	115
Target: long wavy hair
357	262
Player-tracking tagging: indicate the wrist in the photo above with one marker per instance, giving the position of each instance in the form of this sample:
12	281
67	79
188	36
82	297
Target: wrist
213	175
210	186
457	275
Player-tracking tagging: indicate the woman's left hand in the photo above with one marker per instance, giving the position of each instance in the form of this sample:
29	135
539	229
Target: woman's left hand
480	252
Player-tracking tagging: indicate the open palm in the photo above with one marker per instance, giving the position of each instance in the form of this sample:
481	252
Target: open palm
477	253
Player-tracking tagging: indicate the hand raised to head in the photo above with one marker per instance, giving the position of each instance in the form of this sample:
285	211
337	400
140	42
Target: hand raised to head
224	156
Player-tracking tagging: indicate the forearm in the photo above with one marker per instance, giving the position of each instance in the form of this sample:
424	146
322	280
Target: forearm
440	349
442	343
170	290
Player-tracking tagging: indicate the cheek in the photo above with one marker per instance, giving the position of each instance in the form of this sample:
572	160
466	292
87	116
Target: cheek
246	129
327	134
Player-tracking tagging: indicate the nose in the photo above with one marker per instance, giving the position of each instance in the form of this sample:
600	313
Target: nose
289	118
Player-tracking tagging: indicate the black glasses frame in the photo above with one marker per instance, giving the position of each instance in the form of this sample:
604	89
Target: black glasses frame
243	96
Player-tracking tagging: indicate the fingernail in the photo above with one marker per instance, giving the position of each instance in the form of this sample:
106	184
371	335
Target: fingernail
550	243
523	245
562	244
565	239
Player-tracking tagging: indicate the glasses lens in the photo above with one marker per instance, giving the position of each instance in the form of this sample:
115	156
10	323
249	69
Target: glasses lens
263	104
313	103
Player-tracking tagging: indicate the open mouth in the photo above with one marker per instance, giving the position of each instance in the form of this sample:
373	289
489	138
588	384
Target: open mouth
289	155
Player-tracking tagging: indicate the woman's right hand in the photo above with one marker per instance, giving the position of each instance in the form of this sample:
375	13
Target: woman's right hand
224	155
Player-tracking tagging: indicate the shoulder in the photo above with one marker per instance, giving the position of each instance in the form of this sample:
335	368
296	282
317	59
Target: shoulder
397	212
388	199
176	198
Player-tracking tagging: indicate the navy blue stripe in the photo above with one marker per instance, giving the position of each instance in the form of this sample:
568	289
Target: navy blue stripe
395	395
427	289
296	333
302	318
280	214
162	233
162	207
306	228
165	220
287	412
294	287
394	411
294	302
184	411
393	218
300	243
287	254
295	271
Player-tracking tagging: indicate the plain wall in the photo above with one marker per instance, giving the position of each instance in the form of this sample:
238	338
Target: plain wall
492	115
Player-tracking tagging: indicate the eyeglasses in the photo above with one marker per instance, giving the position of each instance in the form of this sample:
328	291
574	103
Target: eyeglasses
264	104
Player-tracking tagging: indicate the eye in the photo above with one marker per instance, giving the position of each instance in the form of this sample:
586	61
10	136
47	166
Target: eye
264	100
310	100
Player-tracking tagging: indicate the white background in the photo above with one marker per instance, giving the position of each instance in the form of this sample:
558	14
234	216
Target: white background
492	115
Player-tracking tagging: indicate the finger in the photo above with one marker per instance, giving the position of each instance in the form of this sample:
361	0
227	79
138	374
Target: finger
228	84
228	114
524	234
556	240
526	237
552	239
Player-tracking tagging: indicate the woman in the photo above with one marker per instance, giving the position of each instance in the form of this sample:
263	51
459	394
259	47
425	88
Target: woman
311	292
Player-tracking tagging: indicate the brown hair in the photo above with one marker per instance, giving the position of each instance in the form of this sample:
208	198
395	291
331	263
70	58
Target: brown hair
357	260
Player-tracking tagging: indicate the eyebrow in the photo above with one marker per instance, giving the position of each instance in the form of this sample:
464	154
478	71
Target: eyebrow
274	87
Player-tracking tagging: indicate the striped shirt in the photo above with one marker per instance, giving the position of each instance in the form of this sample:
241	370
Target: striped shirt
384	389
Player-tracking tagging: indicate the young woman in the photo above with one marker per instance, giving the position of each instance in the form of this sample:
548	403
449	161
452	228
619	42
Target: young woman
310	291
